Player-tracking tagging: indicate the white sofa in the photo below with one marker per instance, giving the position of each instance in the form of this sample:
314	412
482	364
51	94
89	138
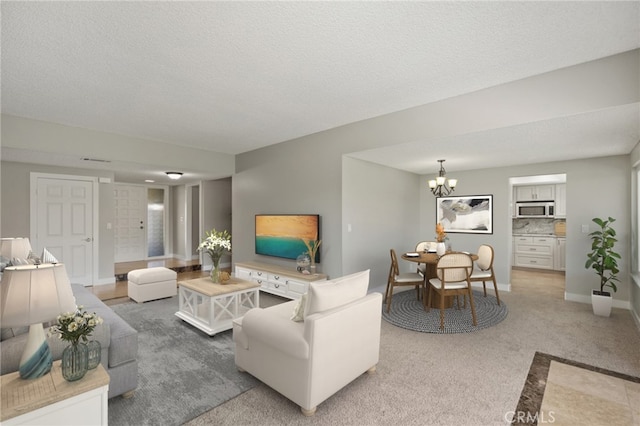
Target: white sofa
334	338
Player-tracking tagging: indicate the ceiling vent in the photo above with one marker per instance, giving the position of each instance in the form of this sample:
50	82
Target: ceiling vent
96	160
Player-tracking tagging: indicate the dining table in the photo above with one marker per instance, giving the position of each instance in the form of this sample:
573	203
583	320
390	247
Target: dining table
430	259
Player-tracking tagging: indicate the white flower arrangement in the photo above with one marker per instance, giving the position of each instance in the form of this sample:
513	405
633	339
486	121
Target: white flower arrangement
216	243
74	326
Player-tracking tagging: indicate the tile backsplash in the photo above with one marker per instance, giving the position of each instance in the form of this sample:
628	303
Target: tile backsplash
534	226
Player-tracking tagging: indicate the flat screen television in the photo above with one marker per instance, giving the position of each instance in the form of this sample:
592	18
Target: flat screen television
281	235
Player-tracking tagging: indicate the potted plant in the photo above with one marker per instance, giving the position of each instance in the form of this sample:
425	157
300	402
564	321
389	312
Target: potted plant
603	259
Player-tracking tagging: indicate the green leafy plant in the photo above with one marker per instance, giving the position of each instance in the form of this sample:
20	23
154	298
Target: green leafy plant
602	257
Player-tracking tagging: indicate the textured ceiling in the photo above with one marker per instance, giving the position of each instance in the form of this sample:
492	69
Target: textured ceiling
235	76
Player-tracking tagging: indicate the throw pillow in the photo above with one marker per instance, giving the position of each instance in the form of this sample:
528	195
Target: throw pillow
18	261
4	262
47	257
298	310
327	295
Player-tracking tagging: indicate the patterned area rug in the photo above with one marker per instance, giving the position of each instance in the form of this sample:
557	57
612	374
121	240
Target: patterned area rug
182	371
407	312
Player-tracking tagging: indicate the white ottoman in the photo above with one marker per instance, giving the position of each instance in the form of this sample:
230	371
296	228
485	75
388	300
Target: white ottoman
151	284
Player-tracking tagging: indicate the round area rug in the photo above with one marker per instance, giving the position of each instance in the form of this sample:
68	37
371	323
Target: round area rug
407	312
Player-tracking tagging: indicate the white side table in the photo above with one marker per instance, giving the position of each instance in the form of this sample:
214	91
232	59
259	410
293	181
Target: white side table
51	400
212	307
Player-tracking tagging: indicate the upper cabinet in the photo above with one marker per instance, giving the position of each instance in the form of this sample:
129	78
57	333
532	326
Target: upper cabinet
535	192
561	200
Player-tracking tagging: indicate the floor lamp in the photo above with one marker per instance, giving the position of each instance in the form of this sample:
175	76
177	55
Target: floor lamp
31	295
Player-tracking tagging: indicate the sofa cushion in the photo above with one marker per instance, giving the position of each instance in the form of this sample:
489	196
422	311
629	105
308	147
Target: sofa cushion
298	311
273	327
330	294
47	257
124	338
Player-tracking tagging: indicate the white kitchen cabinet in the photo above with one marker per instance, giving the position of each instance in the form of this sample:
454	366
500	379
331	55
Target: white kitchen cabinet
559	263
561	200
535	192
277	280
534	251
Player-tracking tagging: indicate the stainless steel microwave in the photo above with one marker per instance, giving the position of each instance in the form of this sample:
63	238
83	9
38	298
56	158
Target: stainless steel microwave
535	209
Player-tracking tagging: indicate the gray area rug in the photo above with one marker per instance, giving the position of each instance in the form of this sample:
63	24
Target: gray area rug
182	371
407	312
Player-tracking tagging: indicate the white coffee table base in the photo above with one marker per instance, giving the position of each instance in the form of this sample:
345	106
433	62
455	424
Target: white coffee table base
214	313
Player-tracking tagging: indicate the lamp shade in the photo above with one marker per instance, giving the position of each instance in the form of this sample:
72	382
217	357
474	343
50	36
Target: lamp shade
35	294
15	247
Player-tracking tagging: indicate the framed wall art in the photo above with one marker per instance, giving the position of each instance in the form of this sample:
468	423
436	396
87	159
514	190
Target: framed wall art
468	214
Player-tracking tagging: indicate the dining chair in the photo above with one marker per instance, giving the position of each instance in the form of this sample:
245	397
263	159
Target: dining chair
423	246
484	269
398	279
453	271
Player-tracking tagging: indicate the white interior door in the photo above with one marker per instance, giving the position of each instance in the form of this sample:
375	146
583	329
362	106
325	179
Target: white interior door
64	224
130	219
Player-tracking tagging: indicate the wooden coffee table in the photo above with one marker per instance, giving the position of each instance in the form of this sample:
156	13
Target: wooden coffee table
212	307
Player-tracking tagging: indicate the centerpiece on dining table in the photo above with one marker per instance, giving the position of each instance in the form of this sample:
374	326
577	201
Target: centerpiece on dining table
216	244
441	237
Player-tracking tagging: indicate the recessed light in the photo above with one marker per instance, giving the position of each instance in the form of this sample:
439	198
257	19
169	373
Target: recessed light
149	180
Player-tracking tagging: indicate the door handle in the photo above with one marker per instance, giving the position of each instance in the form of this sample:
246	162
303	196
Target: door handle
88	239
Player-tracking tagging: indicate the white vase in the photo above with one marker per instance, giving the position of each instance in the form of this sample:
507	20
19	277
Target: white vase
601	304
441	249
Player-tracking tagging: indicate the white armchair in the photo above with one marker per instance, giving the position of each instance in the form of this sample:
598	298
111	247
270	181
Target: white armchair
312	356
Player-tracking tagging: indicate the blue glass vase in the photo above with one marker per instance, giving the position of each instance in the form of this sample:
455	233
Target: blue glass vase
74	361
94	350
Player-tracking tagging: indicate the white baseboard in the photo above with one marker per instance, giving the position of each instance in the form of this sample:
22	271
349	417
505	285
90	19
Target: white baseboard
636	318
105	281
581	298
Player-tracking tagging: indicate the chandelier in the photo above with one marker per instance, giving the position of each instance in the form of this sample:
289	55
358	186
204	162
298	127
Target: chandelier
439	185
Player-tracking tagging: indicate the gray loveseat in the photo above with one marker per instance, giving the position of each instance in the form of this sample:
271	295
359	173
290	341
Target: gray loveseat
118	339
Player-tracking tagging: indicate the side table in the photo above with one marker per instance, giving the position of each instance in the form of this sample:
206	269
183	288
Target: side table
51	400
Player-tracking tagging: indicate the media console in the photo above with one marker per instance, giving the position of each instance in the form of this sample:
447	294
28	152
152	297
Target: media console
276	279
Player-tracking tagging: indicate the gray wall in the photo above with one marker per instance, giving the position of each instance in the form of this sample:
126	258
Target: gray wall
382	208
595	188
305	174
216	213
15	206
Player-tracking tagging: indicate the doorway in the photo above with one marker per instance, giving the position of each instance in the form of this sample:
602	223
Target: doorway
62	222
140	222
538	241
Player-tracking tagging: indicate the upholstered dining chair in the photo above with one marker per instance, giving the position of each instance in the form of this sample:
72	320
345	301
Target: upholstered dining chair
423	246
453	271
484	269
397	279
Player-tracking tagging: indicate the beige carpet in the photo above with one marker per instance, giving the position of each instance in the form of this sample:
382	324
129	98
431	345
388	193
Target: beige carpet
459	379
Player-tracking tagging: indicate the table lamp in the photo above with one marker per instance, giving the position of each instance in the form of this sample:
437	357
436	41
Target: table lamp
32	294
15	248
